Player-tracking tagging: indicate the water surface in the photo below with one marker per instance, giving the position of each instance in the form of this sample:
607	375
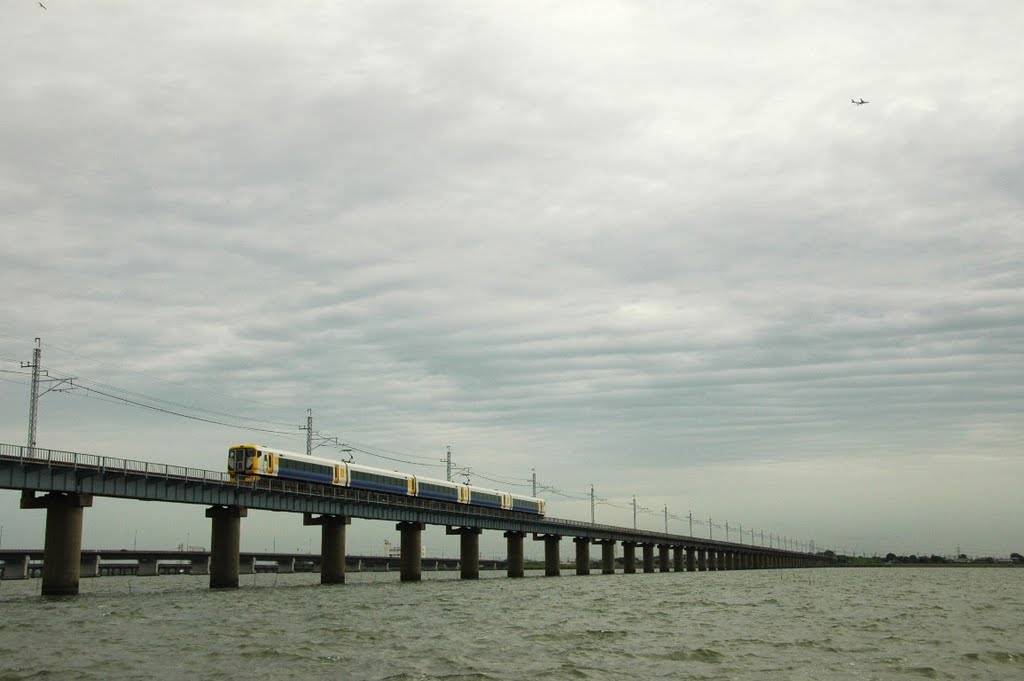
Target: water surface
864	624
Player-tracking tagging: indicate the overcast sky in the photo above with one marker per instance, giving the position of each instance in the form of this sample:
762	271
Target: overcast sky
648	247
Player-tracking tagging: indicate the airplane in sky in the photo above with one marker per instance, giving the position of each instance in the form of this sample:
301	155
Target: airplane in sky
862	101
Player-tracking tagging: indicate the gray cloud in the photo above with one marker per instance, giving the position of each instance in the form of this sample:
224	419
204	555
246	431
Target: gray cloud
653	249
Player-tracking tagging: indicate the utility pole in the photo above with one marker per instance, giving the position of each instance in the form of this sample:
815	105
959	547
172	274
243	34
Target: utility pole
726	530
690	516
534	471
634	511
710	531
33	404
666	518
592	505
448	459
33	401
309	432
741	533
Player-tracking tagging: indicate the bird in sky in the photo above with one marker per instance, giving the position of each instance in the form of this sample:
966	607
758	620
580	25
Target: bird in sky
859	103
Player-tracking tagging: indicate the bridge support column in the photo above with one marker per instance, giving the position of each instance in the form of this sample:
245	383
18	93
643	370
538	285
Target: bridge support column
285	566
702	560
691	559
148	567
663	558
90	565
629	557
412	558
551	560
16	568
224	543
648	552
607	556
582	555
200	566
677	558
712	560
469	550
514	541
62	552
332	545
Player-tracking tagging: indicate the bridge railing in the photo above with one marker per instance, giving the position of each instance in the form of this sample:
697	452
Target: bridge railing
108	464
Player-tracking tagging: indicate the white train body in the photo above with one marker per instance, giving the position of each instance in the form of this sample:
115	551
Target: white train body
249	461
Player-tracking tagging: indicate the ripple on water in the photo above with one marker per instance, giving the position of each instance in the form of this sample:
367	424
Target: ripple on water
694	655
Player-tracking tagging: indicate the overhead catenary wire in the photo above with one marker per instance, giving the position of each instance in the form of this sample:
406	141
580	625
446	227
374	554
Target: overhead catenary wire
113	394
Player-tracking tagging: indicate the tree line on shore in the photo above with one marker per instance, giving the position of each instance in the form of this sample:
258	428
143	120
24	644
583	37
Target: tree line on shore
933	559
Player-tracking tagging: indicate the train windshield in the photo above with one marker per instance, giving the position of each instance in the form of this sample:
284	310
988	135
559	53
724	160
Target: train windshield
241	458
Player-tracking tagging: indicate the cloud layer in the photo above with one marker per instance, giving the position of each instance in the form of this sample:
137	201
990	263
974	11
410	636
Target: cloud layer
648	248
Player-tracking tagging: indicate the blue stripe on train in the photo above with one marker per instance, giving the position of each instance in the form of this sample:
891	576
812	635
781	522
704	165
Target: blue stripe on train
378	487
305	475
439	497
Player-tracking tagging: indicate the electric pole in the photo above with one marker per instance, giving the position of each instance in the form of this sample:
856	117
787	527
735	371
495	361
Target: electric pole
592	505
33	399
666	518
33	404
534	471
711	534
634	511
690	516
309	432
448	459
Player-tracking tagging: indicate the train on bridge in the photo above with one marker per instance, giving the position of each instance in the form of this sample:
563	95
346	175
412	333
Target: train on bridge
247	462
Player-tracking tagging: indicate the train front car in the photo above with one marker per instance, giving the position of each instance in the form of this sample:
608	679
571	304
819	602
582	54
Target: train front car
528	505
442	490
491	498
381	480
244	462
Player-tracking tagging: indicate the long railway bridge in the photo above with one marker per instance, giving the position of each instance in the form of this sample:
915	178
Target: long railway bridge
64	483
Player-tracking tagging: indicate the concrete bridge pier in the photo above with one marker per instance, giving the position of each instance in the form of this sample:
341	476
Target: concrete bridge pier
285	566
224	544
514	541
663	557
677	558
648	554
16	568
469	550
200	566
607	556
702	560
551	560
148	567
90	565
629	557
582	555
691	559
332	545
62	551
412	543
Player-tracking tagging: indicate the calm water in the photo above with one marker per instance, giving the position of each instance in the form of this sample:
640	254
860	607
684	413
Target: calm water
792	624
